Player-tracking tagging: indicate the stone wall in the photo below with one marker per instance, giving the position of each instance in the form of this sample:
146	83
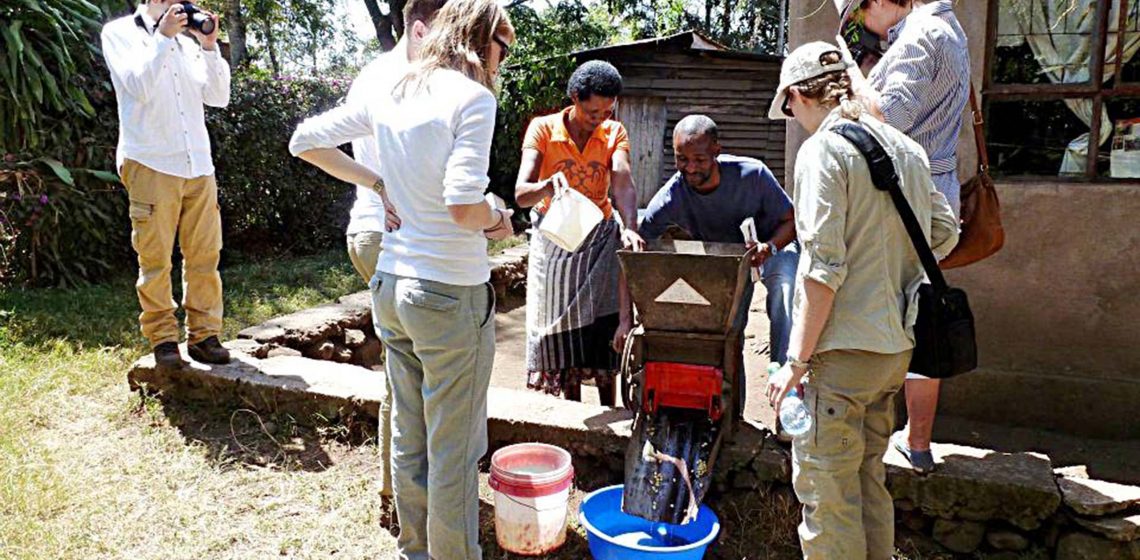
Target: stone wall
343	332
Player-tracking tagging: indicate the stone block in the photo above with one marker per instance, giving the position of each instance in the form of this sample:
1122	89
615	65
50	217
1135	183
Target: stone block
369	355
354	338
280	351
1124	528
248	346
1083	546
1097	497
308	326
508	270
342	355
978	485
310	391
1007	540
323	350
962	537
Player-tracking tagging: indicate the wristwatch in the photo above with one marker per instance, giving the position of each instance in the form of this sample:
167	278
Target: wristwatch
378	187
798	363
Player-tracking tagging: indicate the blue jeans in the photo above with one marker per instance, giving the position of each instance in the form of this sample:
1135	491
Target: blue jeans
440	342
779	277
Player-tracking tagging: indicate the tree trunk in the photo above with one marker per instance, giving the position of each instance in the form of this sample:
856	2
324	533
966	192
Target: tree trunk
271	46
726	19
708	15
386	30
235	22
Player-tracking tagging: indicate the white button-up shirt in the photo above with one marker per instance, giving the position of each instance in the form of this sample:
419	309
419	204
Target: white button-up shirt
161	85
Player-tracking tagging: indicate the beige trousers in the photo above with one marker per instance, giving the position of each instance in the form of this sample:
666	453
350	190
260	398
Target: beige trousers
837	467
364	251
163	206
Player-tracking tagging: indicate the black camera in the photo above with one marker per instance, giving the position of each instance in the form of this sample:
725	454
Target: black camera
198	19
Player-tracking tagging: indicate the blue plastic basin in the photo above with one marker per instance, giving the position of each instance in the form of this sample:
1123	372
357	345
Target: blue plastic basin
613	535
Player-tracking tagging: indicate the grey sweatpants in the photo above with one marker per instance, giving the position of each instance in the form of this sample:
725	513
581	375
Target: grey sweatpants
440	342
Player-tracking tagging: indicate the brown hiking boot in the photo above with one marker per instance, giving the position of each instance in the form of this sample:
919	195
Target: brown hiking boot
209	351
167	356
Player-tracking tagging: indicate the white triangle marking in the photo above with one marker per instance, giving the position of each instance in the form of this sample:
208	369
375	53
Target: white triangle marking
682	293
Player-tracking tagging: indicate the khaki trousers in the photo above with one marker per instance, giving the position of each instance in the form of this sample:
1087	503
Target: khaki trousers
163	206
364	251
837	467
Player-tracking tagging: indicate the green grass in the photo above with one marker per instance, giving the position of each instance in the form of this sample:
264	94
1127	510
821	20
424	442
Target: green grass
90	470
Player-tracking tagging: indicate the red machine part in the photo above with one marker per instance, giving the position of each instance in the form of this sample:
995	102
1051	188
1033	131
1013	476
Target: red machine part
677	385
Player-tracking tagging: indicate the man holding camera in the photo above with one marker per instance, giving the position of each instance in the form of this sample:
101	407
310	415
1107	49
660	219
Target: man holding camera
162	80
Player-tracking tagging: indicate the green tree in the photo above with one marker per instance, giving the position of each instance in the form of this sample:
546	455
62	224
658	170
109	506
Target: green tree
751	25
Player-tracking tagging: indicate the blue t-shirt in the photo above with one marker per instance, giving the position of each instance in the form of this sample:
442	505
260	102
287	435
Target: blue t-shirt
747	190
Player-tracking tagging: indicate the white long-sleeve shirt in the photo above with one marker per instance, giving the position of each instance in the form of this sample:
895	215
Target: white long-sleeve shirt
434	147
161	85
377	77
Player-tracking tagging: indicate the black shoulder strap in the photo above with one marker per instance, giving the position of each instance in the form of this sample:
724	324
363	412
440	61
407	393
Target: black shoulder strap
885	177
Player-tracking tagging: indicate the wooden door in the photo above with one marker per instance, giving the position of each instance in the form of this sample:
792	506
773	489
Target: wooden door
644	120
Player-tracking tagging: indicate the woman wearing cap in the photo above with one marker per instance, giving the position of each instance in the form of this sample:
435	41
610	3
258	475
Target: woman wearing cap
921	87
578	311
431	299
852	322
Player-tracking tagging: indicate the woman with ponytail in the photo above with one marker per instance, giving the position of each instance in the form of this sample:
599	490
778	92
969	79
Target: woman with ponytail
856	301
432	304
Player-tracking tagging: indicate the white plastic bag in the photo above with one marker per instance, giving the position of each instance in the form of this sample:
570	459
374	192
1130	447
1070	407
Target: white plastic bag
571	216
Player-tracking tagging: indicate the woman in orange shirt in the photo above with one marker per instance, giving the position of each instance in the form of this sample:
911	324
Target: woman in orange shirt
578	310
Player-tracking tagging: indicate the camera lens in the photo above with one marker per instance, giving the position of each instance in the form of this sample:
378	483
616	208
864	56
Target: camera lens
204	23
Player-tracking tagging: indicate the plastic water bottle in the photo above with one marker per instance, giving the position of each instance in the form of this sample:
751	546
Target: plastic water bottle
794	415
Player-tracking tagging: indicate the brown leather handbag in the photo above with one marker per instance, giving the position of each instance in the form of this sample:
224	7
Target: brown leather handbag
982	233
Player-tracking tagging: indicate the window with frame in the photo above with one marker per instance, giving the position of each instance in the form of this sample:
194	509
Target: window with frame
1062	88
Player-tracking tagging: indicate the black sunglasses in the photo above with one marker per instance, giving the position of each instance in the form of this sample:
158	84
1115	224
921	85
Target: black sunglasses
786	109
506	49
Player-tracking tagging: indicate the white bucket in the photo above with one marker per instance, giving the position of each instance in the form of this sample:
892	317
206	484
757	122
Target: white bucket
571	216
532	488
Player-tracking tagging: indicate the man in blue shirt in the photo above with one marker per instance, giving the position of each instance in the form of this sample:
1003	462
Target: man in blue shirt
710	196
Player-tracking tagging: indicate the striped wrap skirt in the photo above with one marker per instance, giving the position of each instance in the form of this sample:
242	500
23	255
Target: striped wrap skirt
572	309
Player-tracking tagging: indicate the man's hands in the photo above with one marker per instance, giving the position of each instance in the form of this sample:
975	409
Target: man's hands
782	382
174	21
630	239
762	253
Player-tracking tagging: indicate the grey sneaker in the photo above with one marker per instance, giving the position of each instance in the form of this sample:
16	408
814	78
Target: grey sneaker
921	461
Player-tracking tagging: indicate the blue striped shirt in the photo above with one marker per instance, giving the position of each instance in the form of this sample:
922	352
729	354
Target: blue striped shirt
924	81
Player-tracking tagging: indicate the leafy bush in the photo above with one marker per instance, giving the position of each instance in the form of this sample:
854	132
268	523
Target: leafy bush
57	130
271	201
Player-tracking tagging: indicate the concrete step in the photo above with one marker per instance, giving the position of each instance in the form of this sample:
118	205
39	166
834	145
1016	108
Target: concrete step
311	391
315	392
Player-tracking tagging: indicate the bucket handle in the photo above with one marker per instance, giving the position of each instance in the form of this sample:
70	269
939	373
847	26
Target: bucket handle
528	506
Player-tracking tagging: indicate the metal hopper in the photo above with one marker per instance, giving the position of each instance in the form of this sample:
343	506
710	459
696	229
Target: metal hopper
680	370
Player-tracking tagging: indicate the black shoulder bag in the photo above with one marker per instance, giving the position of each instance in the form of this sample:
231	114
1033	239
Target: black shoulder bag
944	332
